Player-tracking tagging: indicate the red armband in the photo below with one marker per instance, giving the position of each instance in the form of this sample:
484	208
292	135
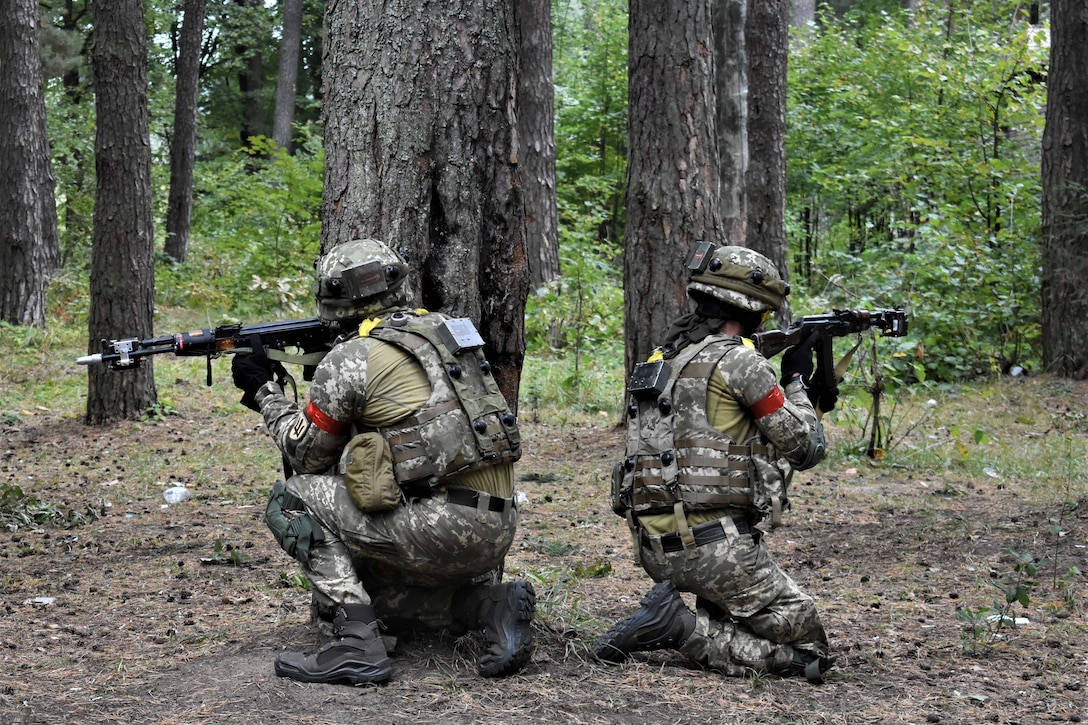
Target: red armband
324	421
770	402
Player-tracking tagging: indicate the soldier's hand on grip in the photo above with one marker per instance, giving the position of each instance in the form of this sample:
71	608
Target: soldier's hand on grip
250	372
798	360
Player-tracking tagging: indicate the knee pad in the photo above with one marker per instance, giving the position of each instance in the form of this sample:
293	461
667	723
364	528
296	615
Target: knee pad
293	528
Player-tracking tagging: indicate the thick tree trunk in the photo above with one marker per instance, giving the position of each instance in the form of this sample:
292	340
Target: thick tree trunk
672	175
283	113
536	132
731	61
421	152
179	208
767	40
29	248
122	259
1065	194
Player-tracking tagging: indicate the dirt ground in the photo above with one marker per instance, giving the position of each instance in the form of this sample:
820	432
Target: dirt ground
146	612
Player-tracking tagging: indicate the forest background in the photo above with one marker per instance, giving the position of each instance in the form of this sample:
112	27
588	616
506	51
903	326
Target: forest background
913	179
944	537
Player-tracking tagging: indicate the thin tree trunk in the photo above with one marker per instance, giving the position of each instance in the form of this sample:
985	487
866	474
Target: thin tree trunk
767	40
179	208
250	85
536	133
731	61
1065	194
283	113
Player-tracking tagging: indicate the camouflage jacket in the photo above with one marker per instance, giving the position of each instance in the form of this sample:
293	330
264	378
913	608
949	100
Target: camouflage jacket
675	455
439	409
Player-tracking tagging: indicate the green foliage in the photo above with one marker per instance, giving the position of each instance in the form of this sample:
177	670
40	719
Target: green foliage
914	157
1015	587
19	509
255	233
225	555
590	66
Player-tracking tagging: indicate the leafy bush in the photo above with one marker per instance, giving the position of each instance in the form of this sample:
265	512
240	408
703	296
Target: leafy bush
914	164
255	234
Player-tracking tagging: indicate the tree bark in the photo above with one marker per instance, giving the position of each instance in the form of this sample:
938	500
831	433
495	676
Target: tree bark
1065	194
250	85
731	61
536	132
122	259
421	152
767	40
29	246
179	208
283	112
672	177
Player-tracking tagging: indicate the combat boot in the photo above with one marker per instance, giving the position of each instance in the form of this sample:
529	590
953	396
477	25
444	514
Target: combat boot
355	655
811	665
505	613
664	621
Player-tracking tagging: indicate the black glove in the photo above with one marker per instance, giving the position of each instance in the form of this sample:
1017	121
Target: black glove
798	359
821	393
250	373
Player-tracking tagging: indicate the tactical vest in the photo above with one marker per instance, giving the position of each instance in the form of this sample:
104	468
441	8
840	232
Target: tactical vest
465	425
676	462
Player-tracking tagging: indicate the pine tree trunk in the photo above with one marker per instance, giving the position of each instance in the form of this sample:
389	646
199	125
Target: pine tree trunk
29	248
421	152
731	61
122	259
672	176
767	40
283	113
536	133
1065	194
179	208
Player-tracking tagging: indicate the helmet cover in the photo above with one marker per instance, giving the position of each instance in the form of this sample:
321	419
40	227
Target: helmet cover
737	276
359	279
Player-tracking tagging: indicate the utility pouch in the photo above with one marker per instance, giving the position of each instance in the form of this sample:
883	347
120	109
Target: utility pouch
649	379
367	467
621	488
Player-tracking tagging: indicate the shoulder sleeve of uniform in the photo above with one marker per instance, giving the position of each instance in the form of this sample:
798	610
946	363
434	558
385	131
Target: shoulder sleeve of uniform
337	392
753	381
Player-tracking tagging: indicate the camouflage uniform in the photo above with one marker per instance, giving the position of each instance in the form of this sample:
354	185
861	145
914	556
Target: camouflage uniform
748	606
402	509
427	542
711	433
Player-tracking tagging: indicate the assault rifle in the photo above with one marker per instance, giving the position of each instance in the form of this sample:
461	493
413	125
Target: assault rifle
892	323
303	342
823	390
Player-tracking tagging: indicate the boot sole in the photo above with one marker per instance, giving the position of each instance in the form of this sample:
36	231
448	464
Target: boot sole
605	650
350	671
518	633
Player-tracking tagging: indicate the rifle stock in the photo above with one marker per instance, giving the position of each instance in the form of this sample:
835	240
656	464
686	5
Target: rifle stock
891	322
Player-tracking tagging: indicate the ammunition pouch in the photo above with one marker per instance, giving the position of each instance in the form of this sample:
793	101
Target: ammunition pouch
367	468
293	528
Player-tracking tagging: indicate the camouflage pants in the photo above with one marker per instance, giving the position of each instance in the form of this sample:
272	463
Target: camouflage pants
406	562
751	615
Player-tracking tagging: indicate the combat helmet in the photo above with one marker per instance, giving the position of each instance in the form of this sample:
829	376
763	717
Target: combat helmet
737	276
358	279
